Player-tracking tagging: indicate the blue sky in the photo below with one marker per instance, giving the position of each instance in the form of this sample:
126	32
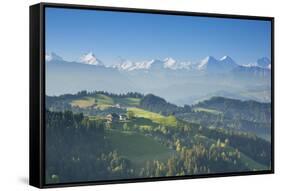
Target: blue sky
136	36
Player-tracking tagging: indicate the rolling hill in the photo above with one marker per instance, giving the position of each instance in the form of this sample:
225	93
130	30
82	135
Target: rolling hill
136	135
140	148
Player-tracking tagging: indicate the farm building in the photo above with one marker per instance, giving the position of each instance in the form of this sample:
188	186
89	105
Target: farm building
113	117
122	117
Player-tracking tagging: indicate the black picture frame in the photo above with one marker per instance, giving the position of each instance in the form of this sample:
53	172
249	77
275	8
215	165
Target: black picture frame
37	94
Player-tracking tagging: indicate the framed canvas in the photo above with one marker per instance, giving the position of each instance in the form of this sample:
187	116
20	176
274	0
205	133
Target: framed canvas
121	95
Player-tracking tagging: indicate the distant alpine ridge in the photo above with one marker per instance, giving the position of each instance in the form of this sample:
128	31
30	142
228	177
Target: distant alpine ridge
179	82
208	64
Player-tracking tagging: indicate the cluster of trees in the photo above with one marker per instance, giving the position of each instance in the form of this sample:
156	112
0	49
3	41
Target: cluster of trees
56	103
254	147
157	104
121	95
210	120
195	160
236	109
76	150
98	112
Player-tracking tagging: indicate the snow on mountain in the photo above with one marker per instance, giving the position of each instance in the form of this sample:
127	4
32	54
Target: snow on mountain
91	59
167	63
263	62
174	65
209	60
211	64
227	60
227	63
170	63
128	65
142	65
157	65
249	65
52	56
124	65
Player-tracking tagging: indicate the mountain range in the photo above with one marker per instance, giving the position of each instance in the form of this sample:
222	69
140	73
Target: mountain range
209	63
178	82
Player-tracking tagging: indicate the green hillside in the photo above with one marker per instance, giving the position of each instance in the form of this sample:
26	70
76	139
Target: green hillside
102	101
155	117
99	100
127	101
136	147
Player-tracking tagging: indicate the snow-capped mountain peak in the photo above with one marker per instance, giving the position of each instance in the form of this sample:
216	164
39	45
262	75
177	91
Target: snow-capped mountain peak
206	61
154	64
91	59
52	56
169	62
211	64
226	58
